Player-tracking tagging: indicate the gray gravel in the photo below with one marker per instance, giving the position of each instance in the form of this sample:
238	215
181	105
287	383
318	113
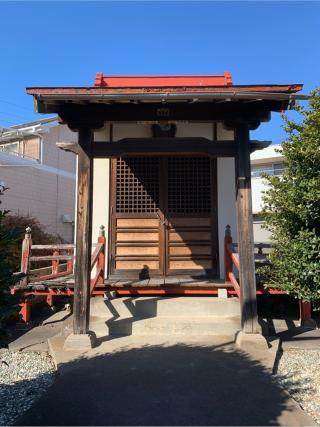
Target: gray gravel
24	376
299	373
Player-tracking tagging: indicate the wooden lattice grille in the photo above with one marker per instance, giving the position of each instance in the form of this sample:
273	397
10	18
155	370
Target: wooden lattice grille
189	185
137	189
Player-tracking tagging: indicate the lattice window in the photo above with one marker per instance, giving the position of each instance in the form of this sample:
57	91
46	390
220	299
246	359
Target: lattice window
137	185
189	186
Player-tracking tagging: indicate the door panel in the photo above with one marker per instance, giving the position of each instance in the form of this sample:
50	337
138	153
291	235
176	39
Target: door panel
189	210
163	217
137	230
137	222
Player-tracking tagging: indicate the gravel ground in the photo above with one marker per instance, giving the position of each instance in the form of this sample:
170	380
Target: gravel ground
23	378
299	373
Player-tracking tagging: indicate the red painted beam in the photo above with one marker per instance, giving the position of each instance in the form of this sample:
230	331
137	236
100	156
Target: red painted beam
162	81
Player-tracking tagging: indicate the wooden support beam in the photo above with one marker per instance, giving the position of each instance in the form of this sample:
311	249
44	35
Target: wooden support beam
248	300
75	114
162	147
81	307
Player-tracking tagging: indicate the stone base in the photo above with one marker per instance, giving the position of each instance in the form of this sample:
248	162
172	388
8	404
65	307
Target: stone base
80	341
222	293
309	324
251	341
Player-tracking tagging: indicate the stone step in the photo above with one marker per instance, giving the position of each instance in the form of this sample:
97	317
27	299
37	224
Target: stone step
184	326
165	306
187	326
186	306
165	316
111	327
111	309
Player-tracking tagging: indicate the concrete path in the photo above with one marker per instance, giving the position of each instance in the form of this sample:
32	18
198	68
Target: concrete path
127	381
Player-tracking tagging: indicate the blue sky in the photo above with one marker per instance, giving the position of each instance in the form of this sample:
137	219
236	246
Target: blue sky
66	43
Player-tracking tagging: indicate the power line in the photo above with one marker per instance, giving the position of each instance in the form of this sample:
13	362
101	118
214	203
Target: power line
15	105
12	114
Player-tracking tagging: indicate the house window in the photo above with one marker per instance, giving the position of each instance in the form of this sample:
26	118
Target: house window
278	168
28	148
11	148
270	169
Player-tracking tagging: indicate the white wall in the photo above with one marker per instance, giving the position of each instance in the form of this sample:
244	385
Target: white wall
226	204
259	233
101	191
204	130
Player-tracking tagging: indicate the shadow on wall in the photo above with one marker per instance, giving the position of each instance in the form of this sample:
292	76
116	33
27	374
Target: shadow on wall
163	385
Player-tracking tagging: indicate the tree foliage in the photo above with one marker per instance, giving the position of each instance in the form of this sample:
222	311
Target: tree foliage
39	237
9	304
292	208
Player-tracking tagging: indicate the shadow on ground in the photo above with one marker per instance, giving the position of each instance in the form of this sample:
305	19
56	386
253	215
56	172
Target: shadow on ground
163	385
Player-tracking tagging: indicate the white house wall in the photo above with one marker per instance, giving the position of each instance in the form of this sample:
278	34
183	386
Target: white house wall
45	190
258	186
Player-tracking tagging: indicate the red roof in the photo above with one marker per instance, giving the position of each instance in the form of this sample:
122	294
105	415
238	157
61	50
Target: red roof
128	88
162	81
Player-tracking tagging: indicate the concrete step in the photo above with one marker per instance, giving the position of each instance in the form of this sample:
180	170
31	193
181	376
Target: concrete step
184	326
112	309
187	326
111	327
186	306
165	306
165	316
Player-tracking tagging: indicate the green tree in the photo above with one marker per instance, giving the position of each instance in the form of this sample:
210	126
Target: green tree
292	208
39	237
9	304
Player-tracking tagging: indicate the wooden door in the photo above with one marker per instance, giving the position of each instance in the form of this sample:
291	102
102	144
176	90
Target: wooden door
138	234
191	245
163	217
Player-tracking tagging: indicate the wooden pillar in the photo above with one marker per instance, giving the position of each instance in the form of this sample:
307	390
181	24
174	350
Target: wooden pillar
248	298
25	256
81	305
55	262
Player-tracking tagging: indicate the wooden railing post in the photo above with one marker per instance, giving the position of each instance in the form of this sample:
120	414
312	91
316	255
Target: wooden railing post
25	255
55	262
101	258
70	263
25	310
227	256
305	315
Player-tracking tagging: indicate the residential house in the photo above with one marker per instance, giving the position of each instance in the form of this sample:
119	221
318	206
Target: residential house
40	177
269	161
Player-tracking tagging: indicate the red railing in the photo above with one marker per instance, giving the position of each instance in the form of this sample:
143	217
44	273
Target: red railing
232	266
57	269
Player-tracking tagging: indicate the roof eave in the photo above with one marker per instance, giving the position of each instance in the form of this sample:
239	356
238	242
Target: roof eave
167	96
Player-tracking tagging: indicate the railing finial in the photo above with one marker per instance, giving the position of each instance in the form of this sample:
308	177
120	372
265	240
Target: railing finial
102	230
28	232
228	230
